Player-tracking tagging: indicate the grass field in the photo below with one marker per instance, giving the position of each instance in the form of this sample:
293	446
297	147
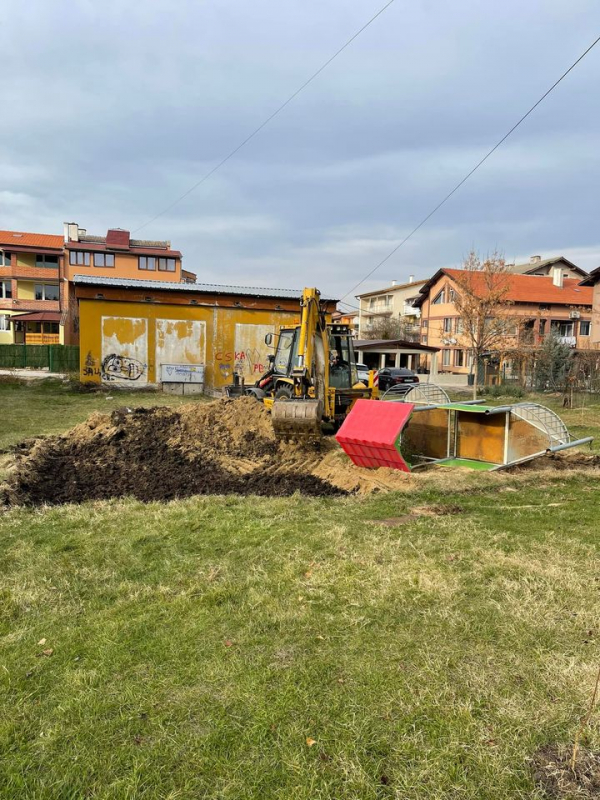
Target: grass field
295	648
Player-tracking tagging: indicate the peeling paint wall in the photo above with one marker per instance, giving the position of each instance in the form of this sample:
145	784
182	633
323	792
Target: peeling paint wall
180	341
124	356
221	338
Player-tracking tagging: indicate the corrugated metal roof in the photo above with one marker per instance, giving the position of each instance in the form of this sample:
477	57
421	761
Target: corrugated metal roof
208	288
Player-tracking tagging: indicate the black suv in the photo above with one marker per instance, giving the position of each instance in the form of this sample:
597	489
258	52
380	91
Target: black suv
396	376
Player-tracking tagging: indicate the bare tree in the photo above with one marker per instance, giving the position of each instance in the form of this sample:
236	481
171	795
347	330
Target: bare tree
390	328
481	299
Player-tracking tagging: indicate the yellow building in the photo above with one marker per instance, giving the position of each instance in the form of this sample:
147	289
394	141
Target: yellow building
132	331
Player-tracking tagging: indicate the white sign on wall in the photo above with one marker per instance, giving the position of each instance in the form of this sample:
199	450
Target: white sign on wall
182	373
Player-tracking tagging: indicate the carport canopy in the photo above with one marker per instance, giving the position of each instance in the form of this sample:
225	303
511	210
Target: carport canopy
396	348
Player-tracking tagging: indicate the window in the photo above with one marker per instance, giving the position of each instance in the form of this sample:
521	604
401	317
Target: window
446	358
168	265
542	327
79	258
147	263
42	260
544	307
440	298
585	327
458	325
4	258
104	260
5	290
447	325
459	358
562	328
423	339
46	291
425	323
4	322
451	296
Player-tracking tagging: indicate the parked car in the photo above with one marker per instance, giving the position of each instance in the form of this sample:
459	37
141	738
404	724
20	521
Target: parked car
363	373
396	376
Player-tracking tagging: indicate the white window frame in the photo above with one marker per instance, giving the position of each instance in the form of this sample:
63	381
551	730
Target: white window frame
446	358
43	297
439	299
4	323
3	295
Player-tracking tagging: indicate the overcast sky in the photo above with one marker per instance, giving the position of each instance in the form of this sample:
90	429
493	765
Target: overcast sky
112	109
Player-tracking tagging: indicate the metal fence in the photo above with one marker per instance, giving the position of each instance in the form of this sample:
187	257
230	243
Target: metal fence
53	357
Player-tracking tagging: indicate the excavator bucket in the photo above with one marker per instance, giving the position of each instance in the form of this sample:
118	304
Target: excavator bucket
297	419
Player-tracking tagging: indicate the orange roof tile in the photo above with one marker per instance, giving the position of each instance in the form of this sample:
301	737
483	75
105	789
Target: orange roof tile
20	239
536	289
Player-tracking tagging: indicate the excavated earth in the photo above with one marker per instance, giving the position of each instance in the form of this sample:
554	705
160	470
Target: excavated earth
223	447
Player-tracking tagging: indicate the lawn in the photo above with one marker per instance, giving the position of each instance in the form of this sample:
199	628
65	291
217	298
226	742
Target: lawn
397	646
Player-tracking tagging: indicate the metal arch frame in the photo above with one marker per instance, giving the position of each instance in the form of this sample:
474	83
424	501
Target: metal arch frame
437	395
544	420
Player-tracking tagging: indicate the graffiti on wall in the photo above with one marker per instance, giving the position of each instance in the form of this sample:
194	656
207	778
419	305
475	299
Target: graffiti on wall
91	368
248	357
124	350
121	368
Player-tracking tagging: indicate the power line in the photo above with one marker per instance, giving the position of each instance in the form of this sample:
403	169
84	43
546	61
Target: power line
269	118
475	168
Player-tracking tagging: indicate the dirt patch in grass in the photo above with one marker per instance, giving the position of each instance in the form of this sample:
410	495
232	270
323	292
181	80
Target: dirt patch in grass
553	774
560	461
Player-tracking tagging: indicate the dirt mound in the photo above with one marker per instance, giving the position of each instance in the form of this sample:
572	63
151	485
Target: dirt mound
225	447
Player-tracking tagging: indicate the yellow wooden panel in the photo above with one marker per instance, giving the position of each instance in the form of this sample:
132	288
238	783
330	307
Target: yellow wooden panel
481	437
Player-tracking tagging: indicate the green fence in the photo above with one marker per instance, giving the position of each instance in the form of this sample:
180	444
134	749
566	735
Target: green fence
54	357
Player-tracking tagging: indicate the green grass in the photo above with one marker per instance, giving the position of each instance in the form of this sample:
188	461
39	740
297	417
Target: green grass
197	645
52	406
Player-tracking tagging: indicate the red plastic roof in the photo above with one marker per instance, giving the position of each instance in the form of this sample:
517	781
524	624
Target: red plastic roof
370	434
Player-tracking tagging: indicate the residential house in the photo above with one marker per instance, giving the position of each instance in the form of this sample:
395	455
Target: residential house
547	266
394	302
593	281
116	255
32	295
348	318
539	304
37	296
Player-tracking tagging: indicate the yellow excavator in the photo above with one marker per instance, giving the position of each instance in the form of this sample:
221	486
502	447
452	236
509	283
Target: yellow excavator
312	381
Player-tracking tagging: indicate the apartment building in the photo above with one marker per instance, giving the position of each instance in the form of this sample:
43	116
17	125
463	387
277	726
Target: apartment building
539	304
394	302
37	272
32	296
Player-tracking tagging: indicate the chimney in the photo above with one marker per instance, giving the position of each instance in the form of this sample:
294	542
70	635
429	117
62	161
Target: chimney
71	231
535	259
557	276
411	278
117	238
81	231
394	282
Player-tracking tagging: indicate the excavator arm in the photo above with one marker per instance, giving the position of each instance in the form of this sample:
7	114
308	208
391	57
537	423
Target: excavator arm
300	417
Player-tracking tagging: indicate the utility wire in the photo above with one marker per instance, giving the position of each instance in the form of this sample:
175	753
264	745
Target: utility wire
268	119
475	168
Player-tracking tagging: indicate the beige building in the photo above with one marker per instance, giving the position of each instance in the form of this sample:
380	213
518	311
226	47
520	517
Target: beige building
539	305
394	302
547	267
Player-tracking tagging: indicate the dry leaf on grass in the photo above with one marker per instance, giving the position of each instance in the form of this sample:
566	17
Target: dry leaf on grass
310	742
42	641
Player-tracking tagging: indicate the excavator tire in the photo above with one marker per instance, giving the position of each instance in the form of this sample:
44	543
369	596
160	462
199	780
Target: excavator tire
298	420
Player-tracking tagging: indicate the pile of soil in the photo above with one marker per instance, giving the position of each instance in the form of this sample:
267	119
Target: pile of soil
553	774
225	447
